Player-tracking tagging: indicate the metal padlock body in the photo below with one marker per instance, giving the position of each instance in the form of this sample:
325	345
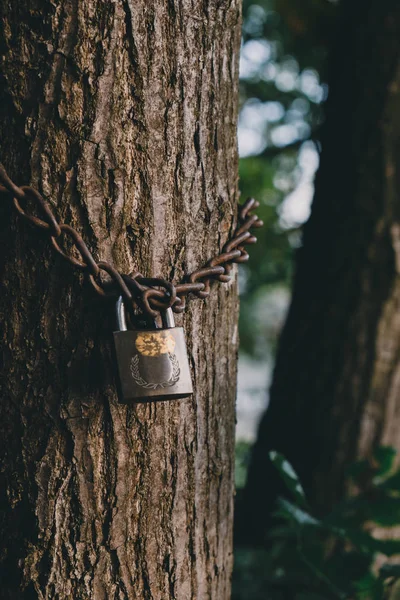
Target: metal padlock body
152	363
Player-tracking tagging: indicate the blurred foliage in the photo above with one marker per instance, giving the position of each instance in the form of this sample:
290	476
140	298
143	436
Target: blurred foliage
281	95
354	552
341	556
242	460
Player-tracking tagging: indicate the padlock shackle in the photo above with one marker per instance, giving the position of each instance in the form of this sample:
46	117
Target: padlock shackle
167	316
121	315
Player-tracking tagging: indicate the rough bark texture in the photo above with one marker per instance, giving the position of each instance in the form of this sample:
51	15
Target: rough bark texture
335	393
123	113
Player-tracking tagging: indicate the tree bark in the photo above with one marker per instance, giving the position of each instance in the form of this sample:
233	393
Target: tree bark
335	392
123	114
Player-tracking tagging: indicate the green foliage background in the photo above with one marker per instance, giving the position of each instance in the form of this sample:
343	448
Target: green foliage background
285	54
339	556
285	44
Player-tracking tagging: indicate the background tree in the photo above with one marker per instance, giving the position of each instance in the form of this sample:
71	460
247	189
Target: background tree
124	115
334	395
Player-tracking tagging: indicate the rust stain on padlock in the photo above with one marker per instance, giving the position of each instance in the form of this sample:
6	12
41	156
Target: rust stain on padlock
152	364
154	344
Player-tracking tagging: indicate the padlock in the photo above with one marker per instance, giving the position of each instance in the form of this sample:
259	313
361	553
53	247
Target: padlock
152	363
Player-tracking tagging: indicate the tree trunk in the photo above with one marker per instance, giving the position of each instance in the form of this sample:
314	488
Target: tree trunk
123	114
335	393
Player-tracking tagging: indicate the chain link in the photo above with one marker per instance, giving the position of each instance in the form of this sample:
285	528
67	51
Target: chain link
149	294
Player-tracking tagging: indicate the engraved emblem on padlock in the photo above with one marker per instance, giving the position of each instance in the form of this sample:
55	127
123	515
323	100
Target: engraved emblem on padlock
152	363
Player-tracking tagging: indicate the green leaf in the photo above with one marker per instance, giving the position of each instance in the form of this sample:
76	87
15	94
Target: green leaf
391	483
289	476
360	539
369	588
389	570
384	510
367	543
378	505
296	514
385	456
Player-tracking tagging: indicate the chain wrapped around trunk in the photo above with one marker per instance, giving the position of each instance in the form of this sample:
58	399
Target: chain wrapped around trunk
149	294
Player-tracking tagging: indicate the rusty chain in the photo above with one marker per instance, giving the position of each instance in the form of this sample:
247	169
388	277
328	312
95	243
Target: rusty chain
150	294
